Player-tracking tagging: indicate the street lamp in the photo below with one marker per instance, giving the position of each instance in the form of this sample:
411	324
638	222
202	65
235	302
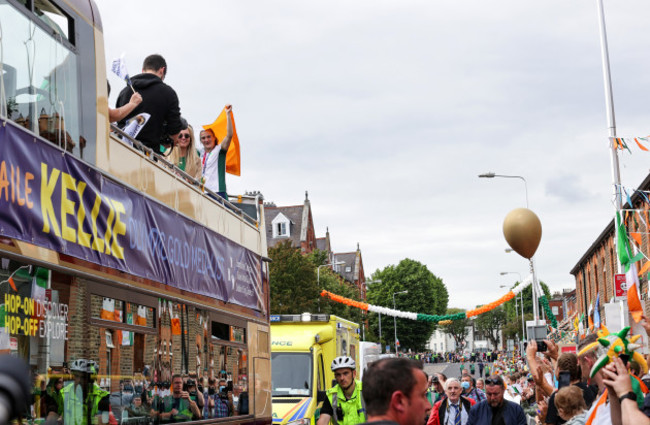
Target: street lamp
521	295
394	317
336	263
491	175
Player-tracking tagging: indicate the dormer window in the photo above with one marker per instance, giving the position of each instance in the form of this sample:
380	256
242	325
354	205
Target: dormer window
281	226
348	269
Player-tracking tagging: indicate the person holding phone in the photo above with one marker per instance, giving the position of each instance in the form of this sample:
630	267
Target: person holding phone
178	407
568	373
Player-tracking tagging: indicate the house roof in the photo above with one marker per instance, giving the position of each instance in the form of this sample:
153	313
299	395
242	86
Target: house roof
321	243
350	260
294	214
324	243
301	223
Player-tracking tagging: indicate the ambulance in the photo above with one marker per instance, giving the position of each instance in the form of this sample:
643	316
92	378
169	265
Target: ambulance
302	349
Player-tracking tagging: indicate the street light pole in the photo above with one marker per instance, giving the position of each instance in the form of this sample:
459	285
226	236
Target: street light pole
522	301
336	263
395	318
523	327
491	175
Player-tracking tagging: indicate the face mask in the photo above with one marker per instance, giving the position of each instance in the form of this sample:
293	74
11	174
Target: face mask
465	385
221	388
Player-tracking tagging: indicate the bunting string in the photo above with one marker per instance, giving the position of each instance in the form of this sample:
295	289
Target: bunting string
547	309
443	319
621	143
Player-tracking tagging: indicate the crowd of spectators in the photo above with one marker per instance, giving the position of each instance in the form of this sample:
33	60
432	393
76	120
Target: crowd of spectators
457	357
549	387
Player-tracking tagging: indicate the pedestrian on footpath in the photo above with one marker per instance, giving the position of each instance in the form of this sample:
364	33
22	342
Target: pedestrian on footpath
470	391
436	391
496	410
396	392
454	409
480	368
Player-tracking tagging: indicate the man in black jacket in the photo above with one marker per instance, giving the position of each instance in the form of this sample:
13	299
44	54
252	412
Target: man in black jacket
158	99
496	410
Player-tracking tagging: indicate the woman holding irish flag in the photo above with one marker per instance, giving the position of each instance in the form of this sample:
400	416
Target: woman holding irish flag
213	157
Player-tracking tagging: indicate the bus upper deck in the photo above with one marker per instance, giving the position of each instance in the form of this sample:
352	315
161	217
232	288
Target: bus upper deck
110	256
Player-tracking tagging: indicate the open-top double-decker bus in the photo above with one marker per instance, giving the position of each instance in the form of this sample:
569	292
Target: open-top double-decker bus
118	275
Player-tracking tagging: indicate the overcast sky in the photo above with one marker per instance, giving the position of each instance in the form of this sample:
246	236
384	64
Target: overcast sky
387	111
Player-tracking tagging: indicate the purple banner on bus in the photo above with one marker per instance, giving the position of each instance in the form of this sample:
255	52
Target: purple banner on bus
54	200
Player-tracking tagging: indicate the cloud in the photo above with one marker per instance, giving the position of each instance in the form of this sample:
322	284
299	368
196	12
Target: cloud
567	187
386	112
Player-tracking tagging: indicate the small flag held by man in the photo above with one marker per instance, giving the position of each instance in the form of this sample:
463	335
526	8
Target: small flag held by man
119	68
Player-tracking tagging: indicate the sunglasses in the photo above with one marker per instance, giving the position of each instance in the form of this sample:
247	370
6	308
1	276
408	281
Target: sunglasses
493	381
183	136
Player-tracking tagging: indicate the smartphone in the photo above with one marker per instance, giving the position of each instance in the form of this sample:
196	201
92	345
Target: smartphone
541	346
565	380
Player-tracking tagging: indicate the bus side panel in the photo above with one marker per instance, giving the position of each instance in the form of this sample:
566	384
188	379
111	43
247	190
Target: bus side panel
259	343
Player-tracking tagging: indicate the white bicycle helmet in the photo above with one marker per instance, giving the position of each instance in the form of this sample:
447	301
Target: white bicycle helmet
83	365
343	362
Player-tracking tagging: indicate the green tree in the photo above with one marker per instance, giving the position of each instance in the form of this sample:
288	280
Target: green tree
334	283
458	328
292	281
427	294
489	324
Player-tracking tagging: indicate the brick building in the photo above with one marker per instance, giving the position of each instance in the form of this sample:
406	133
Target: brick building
557	306
594	272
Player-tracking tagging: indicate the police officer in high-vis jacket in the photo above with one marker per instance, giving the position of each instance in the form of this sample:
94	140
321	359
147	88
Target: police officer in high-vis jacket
84	402
344	404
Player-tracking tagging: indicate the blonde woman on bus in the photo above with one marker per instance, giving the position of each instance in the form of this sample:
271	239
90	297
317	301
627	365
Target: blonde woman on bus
184	154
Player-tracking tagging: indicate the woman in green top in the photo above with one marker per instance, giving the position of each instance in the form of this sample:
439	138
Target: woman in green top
184	154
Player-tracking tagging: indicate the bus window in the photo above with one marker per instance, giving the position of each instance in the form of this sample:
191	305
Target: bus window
72	334
54	18
40	75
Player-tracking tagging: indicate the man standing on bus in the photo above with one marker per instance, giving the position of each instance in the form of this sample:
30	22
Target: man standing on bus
344	404
158	100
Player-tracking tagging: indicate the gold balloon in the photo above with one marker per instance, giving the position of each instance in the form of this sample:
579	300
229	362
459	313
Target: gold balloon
523	231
